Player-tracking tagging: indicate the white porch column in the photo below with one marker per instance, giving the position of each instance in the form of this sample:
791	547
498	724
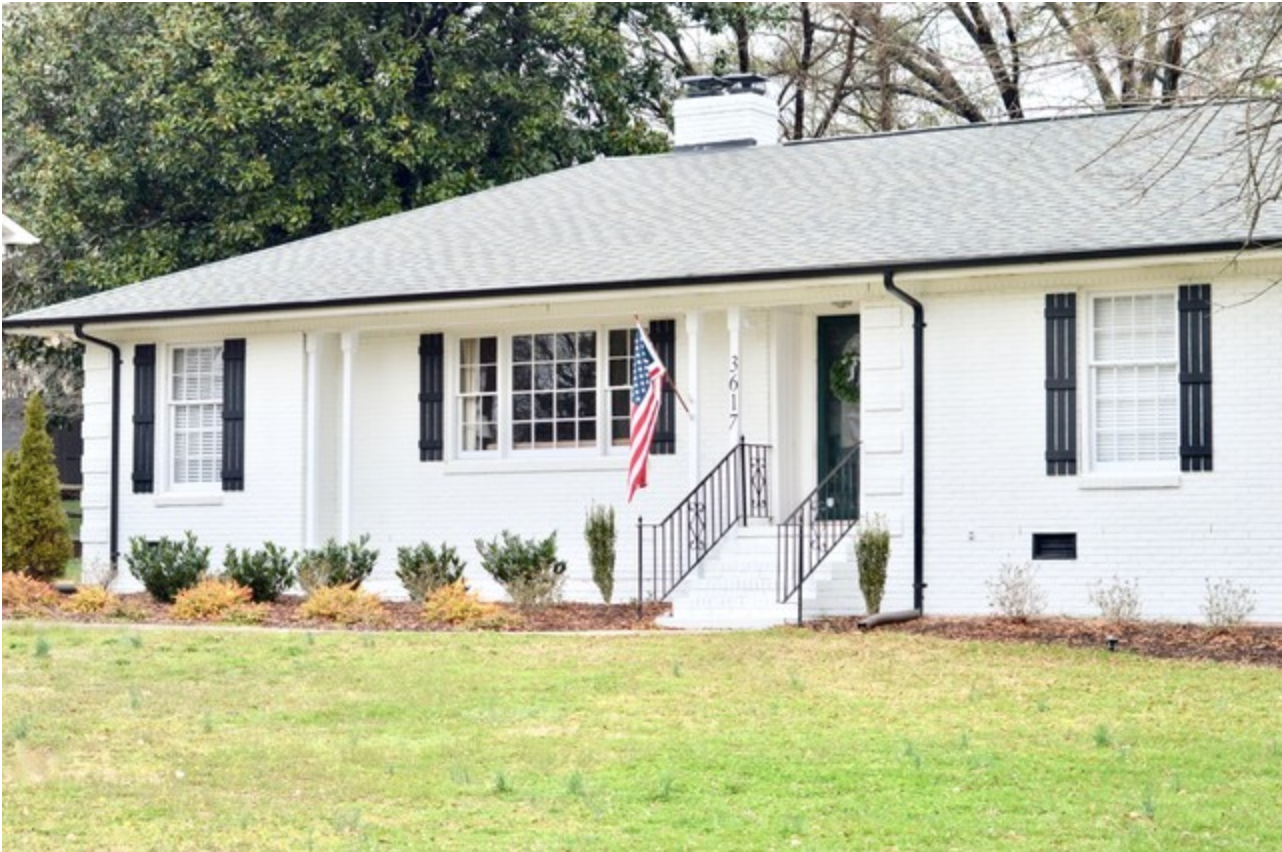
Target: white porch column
734	366
311	484
690	382
350	341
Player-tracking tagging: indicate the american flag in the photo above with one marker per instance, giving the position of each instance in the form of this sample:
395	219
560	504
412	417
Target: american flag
648	373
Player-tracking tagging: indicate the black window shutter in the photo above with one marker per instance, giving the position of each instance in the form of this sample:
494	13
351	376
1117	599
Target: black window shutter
234	415
663	334
1195	377
431	397
144	477
1061	384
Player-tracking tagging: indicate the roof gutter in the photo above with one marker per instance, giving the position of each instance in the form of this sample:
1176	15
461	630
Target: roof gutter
919	467
114	511
729	278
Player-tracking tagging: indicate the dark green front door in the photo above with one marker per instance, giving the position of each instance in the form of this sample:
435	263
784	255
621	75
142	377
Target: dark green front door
838	394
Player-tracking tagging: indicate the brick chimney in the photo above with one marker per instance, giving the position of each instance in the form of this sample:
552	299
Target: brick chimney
735	109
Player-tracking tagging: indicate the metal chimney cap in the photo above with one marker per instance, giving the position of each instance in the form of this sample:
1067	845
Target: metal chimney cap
705	85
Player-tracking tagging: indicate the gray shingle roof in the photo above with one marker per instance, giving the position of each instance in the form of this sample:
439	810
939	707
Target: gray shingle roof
1031	189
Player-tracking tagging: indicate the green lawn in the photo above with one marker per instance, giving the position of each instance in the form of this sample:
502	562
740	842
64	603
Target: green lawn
225	740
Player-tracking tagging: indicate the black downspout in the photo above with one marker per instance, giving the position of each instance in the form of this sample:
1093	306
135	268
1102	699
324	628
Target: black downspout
919	434
114	520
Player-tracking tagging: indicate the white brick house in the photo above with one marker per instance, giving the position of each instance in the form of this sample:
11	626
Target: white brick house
457	370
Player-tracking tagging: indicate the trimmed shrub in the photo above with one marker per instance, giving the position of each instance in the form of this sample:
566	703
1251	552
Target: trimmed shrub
37	541
23	595
456	606
872	554
166	567
343	605
210	600
336	564
267	573
1014	593
422	570
91	600
599	532
1118	602
526	568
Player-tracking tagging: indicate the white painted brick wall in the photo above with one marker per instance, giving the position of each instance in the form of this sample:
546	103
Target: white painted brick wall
270	507
987	490
402	501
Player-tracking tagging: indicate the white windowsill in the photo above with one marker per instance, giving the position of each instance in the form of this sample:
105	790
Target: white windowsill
1127	481
177	499
564	464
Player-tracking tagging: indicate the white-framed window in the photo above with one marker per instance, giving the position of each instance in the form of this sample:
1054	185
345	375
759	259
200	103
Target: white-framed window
560	391
195	415
554	390
620	388
1134	376
478	394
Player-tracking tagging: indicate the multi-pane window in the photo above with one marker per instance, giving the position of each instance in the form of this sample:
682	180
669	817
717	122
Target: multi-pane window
554	396
478	394
196	414
620	374
1134	380
567	390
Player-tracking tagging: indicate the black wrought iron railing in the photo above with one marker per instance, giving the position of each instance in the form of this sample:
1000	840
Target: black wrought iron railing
816	527
736	490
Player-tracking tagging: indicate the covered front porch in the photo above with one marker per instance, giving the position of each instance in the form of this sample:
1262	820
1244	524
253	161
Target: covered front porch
808	373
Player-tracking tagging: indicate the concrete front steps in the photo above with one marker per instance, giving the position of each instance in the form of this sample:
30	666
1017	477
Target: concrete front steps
734	588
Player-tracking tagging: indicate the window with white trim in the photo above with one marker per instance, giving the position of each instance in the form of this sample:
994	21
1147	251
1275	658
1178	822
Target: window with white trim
478	394
196	414
620	390
565	391
1134	367
554	396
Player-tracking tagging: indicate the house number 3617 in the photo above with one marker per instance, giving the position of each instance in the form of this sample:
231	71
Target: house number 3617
733	385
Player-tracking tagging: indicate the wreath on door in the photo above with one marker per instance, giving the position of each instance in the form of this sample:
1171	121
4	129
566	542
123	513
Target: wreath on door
843	377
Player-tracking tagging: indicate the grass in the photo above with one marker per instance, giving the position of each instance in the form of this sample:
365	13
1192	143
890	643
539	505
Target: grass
229	740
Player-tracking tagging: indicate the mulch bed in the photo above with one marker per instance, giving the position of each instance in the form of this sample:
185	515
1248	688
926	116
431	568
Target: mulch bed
567	617
1254	645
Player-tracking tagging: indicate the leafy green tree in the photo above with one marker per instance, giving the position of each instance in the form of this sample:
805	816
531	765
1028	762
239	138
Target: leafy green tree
36	538
144	138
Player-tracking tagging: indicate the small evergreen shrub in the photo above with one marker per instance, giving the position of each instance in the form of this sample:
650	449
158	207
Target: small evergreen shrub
166	567
872	554
210	600
456	606
36	538
1118	601
526	568
1014	593
343	605
601	537
267	573
1227	604
336	564
90	600
23	595
422	569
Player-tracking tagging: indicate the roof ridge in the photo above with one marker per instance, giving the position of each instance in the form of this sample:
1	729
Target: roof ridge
1138	110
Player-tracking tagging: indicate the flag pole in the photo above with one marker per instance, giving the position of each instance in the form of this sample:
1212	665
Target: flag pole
667	376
